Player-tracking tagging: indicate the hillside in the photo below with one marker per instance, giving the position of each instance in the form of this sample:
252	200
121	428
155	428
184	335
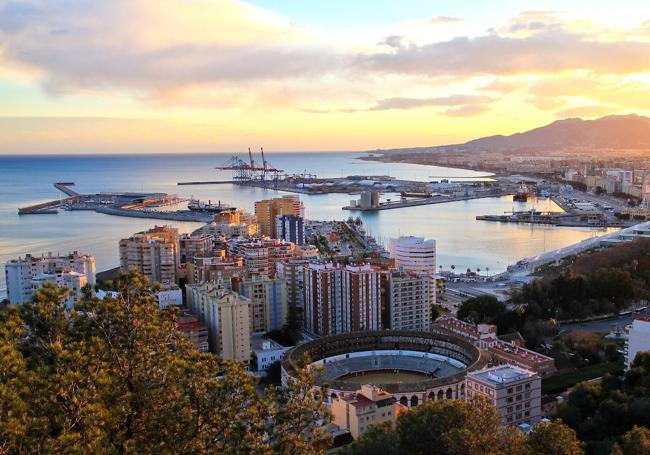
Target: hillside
616	132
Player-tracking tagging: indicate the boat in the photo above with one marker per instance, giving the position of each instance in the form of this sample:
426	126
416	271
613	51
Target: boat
521	195
196	205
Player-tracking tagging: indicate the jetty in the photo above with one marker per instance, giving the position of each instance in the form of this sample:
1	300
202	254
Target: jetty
135	205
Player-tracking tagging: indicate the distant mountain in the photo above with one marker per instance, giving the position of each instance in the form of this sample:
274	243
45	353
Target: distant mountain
614	131
617	132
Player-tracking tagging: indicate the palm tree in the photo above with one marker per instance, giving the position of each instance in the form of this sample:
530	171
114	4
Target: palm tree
453	267
478	271
487	271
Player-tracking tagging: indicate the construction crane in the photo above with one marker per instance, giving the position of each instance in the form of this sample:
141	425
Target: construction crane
248	173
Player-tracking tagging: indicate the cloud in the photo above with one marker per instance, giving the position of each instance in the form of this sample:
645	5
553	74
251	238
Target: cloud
544	52
148	45
411	103
441	20
587	111
469	110
394	41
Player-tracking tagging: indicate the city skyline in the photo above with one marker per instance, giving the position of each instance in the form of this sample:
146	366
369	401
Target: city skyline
215	76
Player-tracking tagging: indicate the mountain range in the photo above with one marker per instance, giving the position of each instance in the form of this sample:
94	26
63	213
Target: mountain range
616	132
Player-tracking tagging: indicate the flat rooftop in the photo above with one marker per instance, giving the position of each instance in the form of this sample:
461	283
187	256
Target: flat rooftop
502	374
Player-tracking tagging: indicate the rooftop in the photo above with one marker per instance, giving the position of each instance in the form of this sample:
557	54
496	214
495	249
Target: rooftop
502	374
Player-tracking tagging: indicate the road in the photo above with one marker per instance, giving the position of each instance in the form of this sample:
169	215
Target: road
603	325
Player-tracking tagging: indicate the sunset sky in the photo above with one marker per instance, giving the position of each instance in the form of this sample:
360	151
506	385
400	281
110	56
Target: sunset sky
82	76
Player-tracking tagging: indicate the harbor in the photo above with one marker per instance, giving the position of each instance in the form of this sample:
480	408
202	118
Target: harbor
128	204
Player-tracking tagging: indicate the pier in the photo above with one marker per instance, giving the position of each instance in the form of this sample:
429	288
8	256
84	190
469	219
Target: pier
135	205
438	199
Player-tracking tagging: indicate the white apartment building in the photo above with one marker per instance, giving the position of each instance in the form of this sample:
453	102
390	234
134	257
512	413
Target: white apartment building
409	301
26	275
414	254
265	352
514	391
638	339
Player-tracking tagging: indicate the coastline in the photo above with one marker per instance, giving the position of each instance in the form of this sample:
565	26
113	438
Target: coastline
388	158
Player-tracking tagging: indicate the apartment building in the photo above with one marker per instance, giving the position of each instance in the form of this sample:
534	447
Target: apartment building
195	330
290	228
341	299
514	391
409	301
268	210
261	256
268	302
154	253
25	275
227	316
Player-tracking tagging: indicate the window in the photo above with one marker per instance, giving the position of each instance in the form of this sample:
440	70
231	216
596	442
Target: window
519	397
509	409
509	389
519	388
527	413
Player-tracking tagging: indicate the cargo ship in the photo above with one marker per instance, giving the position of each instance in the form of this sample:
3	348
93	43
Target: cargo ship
196	205
521	195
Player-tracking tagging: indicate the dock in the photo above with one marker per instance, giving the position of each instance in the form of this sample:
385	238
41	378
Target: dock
429	201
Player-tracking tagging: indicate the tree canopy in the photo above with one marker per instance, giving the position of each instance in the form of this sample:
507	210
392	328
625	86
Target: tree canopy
116	376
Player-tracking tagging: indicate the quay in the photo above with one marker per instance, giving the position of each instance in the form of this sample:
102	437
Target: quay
429	201
553	219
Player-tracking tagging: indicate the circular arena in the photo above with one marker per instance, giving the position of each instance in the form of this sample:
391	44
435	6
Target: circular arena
414	366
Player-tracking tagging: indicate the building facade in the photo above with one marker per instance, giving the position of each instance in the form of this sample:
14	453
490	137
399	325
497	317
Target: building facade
341	299
290	228
515	392
154	253
266	212
261	256
368	406
26	275
268	302
414	254
638	339
227	316
409	301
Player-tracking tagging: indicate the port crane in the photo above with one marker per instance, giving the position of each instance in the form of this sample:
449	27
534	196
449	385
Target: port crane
251	173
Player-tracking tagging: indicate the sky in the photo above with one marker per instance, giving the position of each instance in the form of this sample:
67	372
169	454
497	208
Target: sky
144	76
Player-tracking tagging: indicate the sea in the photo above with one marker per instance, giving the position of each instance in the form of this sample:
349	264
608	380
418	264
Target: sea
461	240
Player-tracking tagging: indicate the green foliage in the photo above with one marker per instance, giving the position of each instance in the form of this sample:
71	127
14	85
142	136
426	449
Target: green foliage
634	442
116	376
484	308
554	438
559	382
453	427
603	412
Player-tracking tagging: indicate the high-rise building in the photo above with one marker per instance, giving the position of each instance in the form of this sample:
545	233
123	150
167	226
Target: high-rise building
154	253
261	256
409	301
290	228
25	275
414	254
292	271
368	406
268	302
227	315
514	391
267	210
341	299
